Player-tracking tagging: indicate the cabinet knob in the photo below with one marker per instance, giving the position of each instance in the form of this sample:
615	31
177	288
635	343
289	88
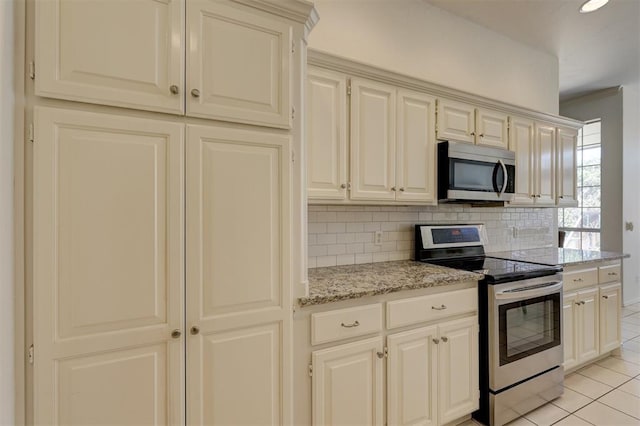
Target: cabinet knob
578	303
195	93
605	296
445	339
401	189
472	134
343	186
439	308
174	89
482	135
393	188
176	334
583	302
195	330
353	324
612	274
561	197
436	341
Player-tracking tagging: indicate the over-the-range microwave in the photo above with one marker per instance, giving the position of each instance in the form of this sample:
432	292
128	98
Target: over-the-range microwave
470	173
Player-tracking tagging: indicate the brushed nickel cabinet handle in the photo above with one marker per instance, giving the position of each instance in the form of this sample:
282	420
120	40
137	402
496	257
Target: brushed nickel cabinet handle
353	324
195	93
174	89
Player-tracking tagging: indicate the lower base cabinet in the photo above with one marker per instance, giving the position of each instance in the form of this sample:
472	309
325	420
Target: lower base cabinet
432	377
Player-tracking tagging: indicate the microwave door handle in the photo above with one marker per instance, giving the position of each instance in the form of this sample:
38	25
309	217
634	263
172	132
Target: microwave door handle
506	177
495	178
551	287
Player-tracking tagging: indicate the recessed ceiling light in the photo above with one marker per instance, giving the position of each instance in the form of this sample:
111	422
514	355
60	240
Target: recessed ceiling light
592	5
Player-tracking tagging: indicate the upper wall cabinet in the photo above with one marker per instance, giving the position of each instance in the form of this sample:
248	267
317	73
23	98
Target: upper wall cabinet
521	141
80	57
567	140
464	123
545	167
326	102
238	64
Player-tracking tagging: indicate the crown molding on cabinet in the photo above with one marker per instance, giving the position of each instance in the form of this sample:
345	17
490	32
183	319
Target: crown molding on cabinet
354	68
302	11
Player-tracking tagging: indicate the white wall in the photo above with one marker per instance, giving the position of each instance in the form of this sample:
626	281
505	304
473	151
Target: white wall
414	38
631	191
6	215
606	105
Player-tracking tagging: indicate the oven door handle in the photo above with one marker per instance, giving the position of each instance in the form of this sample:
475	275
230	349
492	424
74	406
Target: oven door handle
537	290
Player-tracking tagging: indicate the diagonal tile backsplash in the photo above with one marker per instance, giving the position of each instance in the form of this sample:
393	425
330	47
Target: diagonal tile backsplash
344	235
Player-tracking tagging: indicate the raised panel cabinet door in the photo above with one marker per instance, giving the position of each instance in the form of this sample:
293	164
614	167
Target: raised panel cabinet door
238	64
373	141
108	269
492	128
610	317
521	140
589	325
80	56
415	147
326	129
238	294
456	121
545	158
347	384
458	386
412	382
567	167
570	330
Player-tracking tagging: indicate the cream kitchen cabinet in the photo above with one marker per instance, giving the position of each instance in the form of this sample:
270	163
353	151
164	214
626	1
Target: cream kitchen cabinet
463	122
392	143
535	147
326	131
348	384
592	312
567	140
432	373
142	65
108	271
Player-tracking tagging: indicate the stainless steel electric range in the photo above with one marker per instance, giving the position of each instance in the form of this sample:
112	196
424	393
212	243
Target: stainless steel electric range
520	315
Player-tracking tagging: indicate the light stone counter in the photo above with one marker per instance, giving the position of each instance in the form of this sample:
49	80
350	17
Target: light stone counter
337	283
559	256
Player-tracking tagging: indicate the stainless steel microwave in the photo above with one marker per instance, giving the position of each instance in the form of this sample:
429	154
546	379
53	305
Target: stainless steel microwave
472	173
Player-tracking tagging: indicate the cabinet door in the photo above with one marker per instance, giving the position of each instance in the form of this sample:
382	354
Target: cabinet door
126	54
589	324
492	128
610	312
326	129
238	64
347	384
566	175
373	147
458	369
415	147
412	366
240	305
545	157
570	329
108	272
456	121
521	140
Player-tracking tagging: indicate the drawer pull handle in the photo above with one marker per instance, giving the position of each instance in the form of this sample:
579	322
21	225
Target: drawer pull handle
383	354
441	308
577	280
354	324
605	297
445	339
612	273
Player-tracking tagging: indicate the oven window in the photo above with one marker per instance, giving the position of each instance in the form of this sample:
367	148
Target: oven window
529	326
474	175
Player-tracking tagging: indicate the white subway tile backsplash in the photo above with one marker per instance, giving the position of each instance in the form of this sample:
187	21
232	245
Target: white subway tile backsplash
341	235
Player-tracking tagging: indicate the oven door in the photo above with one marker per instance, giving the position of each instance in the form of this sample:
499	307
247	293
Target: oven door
525	329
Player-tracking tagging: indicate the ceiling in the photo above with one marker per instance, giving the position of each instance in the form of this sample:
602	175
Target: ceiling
595	50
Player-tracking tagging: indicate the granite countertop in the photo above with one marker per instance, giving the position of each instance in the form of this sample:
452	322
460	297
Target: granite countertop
335	283
559	256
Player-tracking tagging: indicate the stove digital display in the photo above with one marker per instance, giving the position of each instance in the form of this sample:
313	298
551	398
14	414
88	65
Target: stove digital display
455	235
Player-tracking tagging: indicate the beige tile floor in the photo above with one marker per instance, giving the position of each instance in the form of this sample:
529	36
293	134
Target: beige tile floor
605	393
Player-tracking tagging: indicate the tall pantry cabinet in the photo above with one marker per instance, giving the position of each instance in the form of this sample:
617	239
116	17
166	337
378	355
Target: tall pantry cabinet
167	241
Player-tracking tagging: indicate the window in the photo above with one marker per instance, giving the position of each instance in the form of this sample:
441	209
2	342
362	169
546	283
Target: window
582	223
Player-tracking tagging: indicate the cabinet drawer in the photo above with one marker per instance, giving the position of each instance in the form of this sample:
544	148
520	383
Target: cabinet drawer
609	273
581	278
428	308
345	323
